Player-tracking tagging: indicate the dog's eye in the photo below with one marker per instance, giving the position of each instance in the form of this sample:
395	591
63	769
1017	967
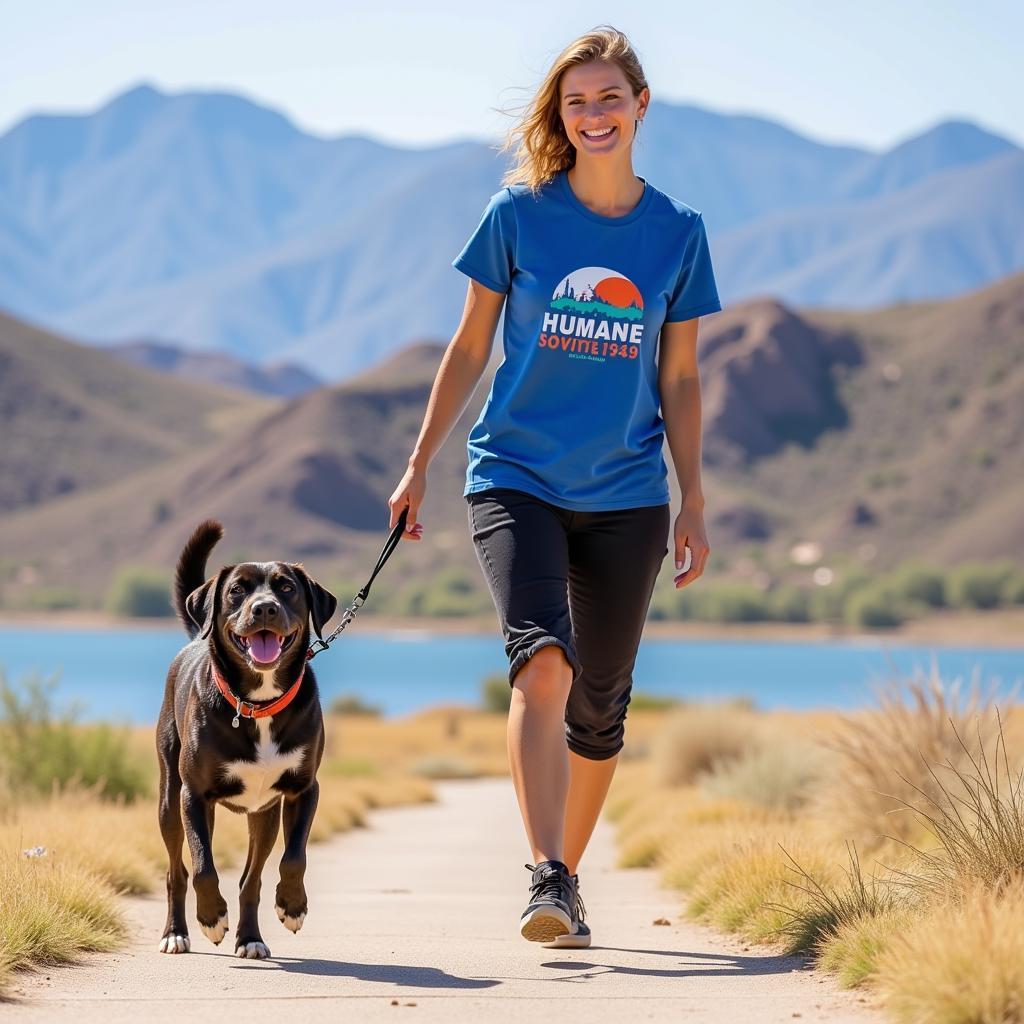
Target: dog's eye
236	589
286	588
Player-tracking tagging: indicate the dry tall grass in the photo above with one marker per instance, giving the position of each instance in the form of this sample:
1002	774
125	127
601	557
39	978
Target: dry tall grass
884	753
697	738
897	860
63	902
977	825
962	963
52	912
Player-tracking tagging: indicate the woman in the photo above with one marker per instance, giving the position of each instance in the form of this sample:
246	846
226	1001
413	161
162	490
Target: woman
566	486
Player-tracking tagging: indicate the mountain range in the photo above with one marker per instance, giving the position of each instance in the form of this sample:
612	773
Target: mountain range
878	435
213	223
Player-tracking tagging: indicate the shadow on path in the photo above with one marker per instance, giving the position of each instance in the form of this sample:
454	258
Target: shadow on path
704	965
394	974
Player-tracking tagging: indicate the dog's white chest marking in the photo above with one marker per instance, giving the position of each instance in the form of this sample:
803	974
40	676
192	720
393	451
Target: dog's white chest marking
258	777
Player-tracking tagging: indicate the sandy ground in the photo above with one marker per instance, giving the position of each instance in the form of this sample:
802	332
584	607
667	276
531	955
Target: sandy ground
417	917
1001	627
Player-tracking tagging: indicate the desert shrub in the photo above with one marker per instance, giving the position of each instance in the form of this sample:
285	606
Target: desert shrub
445	766
352	704
790	604
884	753
698	737
1013	587
977	822
828	604
40	749
979	584
776	773
875	606
640	701
921	584
827	907
742	885
496	695
450	592
52	599
733	602
853	949
671	603
962	963
52	912
140	590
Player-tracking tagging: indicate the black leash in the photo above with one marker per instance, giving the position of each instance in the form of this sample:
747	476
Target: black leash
350	612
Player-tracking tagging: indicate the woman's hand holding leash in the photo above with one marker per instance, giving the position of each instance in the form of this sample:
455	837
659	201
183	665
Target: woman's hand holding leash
689	533
410	491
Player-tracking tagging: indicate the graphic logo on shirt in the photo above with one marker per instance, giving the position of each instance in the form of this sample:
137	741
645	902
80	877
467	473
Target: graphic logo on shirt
594	313
592	290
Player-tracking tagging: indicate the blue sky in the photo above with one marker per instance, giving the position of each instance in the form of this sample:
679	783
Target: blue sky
869	73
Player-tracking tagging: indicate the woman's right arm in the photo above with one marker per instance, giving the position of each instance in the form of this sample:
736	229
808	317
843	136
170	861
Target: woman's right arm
462	365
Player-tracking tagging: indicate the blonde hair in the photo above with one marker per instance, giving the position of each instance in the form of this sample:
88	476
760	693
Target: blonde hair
542	147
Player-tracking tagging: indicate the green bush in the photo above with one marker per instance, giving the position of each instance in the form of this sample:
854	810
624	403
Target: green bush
40	749
350	704
140	590
651	702
921	584
874	607
52	599
496	694
444	766
452	592
733	602
790	604
828	604
778	774
1013	588
979	584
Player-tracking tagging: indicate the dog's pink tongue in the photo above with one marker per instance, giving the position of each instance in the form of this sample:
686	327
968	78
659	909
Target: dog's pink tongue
264	645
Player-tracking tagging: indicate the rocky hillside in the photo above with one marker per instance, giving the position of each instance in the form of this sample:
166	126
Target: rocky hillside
877	435
74	418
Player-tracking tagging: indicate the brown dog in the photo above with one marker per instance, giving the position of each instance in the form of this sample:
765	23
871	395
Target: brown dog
240	725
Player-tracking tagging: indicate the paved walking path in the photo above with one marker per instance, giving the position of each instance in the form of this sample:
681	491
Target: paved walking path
416	918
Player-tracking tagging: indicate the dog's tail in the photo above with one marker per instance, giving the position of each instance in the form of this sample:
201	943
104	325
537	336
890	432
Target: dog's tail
191	570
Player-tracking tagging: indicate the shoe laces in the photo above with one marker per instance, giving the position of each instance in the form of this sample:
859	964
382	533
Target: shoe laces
581	911
551	883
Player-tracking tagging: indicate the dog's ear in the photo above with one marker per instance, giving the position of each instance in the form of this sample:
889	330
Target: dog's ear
203	604
322	603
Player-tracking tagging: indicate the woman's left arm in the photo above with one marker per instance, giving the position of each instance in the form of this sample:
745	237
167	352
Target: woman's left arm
679	387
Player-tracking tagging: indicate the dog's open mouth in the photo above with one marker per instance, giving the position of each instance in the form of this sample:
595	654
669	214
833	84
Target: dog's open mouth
263	646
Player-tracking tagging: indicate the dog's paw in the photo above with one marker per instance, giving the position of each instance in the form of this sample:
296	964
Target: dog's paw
175	944
216	932
252	951
293	922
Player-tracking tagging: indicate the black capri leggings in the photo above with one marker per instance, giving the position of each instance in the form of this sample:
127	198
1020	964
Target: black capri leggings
579	580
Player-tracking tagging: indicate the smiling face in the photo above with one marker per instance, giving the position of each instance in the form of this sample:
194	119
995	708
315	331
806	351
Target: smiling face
264	611
598	108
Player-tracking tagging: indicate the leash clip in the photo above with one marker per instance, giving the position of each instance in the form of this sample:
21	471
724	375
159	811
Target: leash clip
315	649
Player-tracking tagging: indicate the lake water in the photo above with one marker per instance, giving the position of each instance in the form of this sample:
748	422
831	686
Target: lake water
118	675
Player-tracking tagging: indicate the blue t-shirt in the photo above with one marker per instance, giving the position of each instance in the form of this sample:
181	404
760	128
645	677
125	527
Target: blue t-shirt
573	411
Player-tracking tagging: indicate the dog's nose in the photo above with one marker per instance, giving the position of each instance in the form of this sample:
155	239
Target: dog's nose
265	609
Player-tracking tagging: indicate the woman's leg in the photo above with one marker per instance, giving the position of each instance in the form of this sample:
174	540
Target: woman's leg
614	561
588	786
522	547
537	751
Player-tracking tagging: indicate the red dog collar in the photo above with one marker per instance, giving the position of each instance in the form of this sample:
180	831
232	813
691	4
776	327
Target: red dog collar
257	709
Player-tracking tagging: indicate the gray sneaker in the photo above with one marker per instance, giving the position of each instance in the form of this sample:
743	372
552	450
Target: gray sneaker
552	896
579	936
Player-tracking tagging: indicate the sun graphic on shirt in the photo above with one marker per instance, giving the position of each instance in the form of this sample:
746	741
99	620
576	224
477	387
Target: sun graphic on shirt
599	290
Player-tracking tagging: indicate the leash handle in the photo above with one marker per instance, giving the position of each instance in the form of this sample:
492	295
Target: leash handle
350	612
